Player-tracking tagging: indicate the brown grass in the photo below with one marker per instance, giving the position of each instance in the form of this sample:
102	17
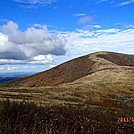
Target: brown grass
75	69
28	118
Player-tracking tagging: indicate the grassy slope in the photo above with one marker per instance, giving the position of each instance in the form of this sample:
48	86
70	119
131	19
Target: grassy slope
90	77
74	69
27	118
94	91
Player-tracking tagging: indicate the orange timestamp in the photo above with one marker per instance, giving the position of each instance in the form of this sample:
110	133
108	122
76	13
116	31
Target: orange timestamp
125	119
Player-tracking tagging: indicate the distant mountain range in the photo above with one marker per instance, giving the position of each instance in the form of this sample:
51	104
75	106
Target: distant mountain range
13	76
8	79
16	74
95	67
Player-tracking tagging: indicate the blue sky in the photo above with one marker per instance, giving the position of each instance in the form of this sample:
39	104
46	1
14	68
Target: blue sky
36	35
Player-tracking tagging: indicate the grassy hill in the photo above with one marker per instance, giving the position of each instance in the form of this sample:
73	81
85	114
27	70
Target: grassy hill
76	69
90	94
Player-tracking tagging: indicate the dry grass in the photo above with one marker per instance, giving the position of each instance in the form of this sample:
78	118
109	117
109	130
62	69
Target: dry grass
76	69
28	118
94	90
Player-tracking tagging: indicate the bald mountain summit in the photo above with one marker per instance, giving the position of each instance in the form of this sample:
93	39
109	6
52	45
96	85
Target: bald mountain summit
100	68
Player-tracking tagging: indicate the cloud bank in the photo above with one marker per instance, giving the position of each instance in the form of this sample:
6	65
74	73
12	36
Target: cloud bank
32	46
80	41
14	68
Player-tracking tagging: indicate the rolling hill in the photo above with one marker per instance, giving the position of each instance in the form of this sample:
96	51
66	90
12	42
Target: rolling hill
106	66
94	91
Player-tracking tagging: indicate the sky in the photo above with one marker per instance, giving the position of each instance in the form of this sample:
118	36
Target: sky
36	35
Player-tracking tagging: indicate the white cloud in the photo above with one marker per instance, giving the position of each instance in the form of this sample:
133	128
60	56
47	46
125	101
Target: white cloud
10	27
79	14
91	27
129	26
28	6
86	19
22	47
82	42
41	59
99	1
97	26
117	3
14	67
33	4
36	1
51	66
125	2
